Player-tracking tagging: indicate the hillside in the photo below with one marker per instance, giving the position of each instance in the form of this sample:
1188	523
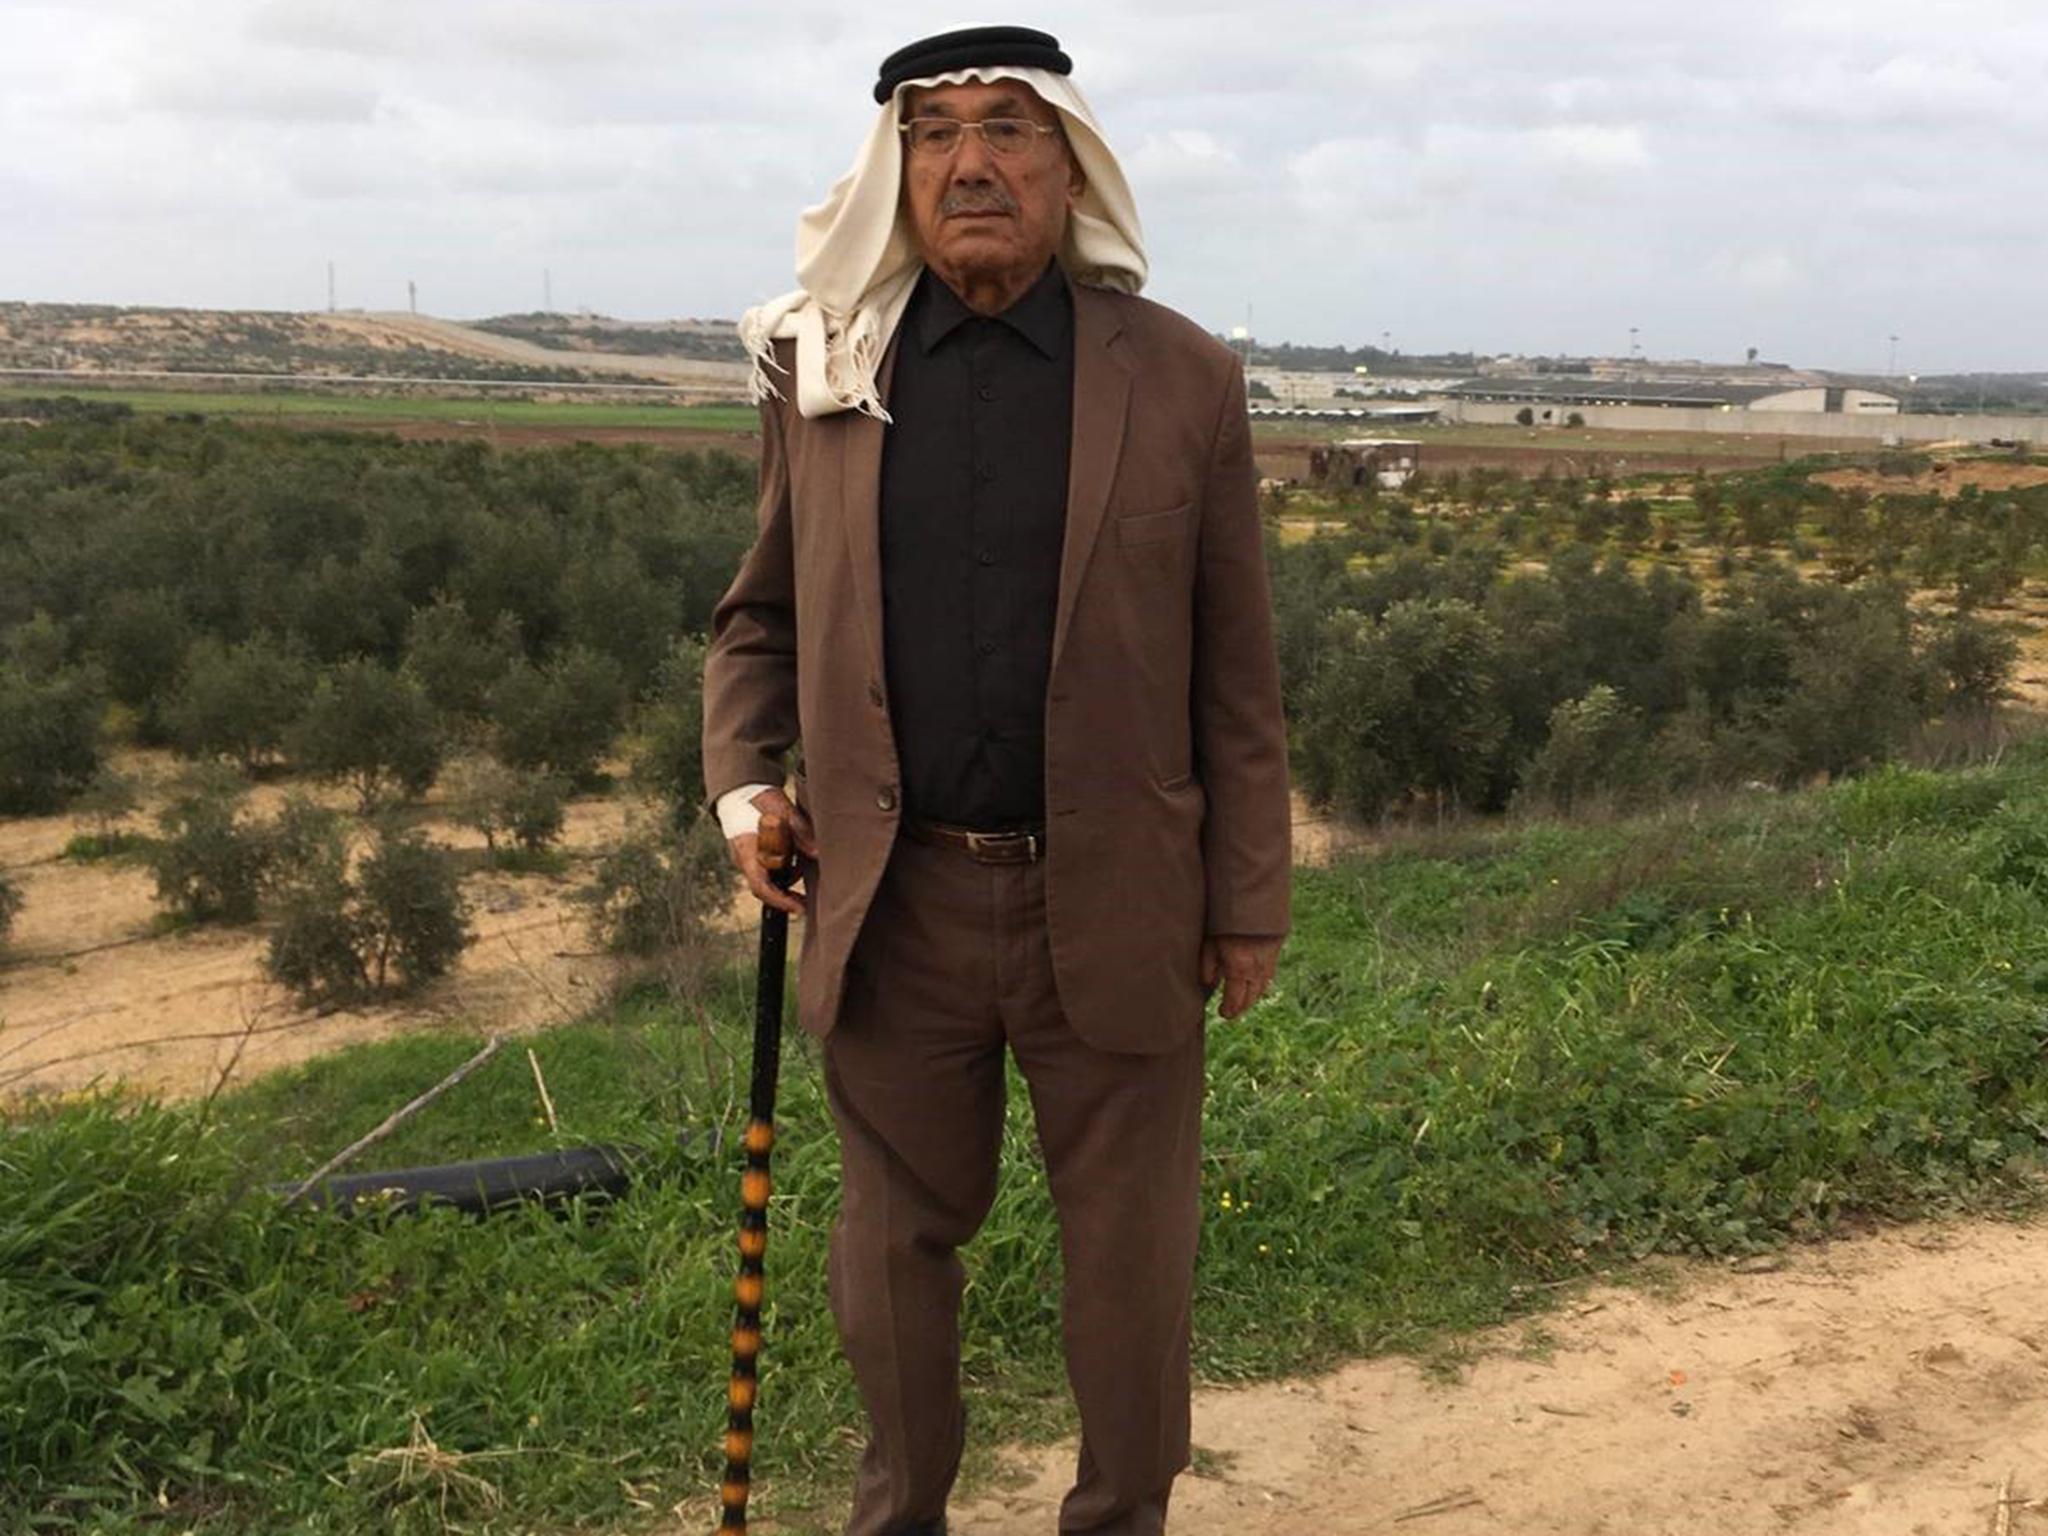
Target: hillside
101	339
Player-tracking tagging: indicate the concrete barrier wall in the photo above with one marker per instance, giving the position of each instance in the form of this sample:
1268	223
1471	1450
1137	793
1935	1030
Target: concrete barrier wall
1871	429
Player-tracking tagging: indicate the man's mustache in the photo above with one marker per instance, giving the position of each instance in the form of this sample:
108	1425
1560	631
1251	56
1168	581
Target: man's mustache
988	199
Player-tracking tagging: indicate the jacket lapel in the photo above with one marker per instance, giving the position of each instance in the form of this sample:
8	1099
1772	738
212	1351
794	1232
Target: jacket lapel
860	455
1102	397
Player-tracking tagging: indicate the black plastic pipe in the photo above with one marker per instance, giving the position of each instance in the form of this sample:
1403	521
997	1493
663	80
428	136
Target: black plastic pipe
483	1186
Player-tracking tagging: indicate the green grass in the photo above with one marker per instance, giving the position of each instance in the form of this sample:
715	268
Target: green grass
299	403
1496	1057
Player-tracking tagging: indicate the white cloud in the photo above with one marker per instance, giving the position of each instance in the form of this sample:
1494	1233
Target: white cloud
1477	173
1765	271
1593	147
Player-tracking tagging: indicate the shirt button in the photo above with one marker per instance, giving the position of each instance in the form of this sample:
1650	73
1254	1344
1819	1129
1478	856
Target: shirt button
986	557
985	393
885	798
986	473
986	648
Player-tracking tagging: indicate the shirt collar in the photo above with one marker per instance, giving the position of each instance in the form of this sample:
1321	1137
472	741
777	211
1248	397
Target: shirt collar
1042	316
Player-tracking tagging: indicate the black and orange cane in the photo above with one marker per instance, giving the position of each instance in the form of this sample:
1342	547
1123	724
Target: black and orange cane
776	857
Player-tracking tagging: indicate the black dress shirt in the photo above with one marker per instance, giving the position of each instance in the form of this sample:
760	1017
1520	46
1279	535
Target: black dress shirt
973	514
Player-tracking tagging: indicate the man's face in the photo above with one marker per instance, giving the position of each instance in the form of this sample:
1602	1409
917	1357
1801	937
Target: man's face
979	215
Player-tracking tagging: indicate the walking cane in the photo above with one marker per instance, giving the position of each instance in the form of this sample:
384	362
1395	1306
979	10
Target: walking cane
775	851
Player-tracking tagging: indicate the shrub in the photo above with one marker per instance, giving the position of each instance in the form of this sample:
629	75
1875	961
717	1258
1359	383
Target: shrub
457	661
49	736
371	728
318	943
1972	663
1408	704
669	760
305	840
411	905
1310	581
1525	417
524	808
10	904
612	605
560	718
141	639
1596	749
394	925
104	804
210	863
654	892
237	701
1857	684
107	801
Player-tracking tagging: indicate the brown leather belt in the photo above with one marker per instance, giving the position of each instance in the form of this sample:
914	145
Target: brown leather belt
1026	847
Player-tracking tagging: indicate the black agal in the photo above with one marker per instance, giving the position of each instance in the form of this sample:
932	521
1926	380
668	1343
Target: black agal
968	48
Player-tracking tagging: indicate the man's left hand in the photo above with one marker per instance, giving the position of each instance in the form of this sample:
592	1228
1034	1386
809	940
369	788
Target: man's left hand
1244	966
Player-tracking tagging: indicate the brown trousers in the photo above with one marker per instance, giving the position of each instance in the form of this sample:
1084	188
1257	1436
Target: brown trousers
951	965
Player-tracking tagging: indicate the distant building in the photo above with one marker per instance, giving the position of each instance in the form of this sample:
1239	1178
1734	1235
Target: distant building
1408	415
1548	395
1387	462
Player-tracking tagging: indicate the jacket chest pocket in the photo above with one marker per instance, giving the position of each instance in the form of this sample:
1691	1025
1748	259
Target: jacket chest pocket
1150	542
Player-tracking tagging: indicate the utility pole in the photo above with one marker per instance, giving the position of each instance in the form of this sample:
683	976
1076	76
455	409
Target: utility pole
547	291
330	287
412	295
1892	369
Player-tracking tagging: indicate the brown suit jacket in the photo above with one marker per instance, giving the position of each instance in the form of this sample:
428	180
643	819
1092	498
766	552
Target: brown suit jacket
1166	763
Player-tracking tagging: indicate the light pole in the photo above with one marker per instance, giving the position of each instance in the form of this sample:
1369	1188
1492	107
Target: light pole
1892	370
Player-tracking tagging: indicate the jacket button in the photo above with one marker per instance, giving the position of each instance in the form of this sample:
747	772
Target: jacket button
885	798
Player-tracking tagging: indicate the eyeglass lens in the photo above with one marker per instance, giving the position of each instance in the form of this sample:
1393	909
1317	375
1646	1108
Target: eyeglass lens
943	135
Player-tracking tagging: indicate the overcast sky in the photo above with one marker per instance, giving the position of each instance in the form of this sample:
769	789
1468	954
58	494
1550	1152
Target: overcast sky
1805	178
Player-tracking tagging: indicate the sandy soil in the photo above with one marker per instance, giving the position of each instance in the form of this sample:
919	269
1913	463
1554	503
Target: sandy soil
1887	1385
90	993
1945	476
466	341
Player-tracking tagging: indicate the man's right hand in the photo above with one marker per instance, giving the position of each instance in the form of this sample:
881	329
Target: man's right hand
746	851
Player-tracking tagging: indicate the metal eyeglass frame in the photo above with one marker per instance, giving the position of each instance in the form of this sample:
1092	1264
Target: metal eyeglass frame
907	129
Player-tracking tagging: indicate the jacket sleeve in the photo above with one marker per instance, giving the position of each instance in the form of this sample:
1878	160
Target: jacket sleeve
1240	735
750	698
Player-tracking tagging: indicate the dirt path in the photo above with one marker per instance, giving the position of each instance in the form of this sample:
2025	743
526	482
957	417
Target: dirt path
1883	1386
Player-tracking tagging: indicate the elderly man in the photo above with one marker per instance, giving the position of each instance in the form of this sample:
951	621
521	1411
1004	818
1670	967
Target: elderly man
1009	596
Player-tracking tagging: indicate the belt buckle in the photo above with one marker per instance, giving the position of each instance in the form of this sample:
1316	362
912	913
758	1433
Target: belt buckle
1001	847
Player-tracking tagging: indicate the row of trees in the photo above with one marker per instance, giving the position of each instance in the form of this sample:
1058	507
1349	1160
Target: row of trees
370	613
1456	677
353	607
1976	547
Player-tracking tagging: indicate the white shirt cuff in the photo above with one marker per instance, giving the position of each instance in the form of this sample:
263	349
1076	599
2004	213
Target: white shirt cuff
737	816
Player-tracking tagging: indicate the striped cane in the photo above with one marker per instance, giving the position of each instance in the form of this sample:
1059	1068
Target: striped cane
775	852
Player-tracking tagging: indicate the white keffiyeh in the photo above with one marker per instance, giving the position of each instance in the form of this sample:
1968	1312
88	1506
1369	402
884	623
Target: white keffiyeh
857	261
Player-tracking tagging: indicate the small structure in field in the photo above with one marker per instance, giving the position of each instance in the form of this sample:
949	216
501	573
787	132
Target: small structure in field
1385	462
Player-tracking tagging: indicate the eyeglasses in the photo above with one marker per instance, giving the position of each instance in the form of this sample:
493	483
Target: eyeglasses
1008	137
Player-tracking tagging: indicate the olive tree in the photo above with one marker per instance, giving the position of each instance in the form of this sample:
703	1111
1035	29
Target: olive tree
371	728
